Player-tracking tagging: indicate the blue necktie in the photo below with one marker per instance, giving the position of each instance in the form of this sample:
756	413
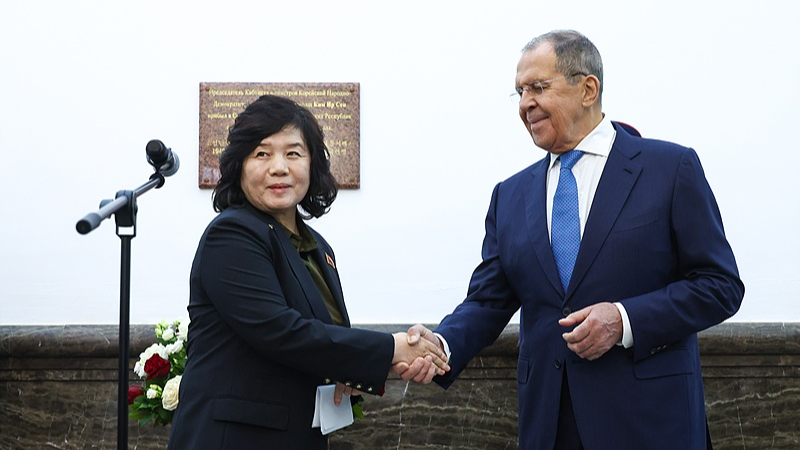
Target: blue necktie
566	223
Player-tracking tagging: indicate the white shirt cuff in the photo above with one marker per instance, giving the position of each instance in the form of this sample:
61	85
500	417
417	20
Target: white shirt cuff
444	344
627	333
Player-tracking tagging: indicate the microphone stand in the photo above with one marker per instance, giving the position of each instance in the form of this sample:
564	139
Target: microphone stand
124	209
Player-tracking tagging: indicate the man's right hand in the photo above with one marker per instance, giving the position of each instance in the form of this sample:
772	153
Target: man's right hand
422	370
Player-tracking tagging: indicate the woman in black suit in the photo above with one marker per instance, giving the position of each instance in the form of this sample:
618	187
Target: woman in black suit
268	319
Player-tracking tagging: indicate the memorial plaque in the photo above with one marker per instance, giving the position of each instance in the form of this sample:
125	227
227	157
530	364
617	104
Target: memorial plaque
335	105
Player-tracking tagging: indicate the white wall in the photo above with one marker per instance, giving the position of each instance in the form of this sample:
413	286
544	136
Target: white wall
85	84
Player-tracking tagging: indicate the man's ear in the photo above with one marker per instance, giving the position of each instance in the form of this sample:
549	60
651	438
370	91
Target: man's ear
591	90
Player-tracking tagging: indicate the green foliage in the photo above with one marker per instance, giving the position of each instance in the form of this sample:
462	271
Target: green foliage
358	412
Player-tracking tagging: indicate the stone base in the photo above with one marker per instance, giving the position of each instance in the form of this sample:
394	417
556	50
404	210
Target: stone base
58	389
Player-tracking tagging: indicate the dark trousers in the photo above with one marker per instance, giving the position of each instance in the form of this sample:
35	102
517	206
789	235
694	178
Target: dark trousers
567	437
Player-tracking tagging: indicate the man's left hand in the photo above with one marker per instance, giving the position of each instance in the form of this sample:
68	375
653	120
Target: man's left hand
599	329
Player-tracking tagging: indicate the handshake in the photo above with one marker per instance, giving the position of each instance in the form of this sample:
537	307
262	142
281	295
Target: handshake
418	355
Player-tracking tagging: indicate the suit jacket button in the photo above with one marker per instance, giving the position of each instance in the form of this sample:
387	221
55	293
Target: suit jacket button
566	311
558	364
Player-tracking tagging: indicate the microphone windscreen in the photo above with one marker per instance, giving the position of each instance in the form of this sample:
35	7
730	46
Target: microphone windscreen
157	152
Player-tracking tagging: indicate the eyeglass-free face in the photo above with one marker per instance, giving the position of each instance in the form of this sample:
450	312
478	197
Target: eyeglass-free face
276	175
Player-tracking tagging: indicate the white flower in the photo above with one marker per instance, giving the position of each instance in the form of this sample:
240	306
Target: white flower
168	334
152	393
155	349
175	347
183	329
169	399
138	368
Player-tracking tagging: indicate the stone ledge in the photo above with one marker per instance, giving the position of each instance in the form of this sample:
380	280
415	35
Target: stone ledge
751	339
58	387
101	341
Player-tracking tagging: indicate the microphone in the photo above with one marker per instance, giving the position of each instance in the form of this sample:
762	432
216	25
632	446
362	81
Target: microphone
162	158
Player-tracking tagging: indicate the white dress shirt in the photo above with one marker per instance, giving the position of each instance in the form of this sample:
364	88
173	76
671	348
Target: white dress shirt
587	171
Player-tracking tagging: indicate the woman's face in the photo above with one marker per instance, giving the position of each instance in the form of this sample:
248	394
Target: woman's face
275	177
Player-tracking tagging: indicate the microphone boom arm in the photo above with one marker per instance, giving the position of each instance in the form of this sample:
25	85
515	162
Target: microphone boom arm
124	218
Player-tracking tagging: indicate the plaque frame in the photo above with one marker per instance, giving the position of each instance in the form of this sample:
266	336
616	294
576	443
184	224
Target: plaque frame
337	107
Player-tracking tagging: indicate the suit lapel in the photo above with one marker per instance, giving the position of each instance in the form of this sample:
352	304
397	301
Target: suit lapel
306	282
535	192
299	270
619	176
328	267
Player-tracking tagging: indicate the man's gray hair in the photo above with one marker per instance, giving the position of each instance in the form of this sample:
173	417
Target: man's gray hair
574	53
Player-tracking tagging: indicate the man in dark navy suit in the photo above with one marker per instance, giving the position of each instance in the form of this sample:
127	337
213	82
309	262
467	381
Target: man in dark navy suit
613	248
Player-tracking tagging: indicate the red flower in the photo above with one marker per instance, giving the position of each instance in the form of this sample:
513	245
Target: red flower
133	392
156	366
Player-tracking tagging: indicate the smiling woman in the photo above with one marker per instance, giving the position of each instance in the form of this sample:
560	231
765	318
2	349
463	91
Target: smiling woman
268	319
275	177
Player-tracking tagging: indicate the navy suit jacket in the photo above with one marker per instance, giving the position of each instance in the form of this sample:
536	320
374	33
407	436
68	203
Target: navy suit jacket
261	340
653	241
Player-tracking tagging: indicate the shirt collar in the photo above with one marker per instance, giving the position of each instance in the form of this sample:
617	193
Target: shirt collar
598	142
304	242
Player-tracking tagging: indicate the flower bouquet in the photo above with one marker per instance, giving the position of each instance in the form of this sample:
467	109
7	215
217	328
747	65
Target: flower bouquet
160	366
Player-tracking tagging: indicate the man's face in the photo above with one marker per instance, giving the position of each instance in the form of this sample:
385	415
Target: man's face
556	116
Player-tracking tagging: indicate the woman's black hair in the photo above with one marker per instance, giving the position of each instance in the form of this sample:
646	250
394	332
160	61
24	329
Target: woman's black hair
264	117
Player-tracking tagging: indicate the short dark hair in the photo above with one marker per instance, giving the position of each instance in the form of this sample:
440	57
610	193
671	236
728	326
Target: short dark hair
264	117
575	53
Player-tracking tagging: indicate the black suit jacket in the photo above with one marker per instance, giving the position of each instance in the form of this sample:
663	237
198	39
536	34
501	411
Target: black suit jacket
261	340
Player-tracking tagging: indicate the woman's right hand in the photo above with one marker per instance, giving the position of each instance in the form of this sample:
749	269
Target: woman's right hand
407	353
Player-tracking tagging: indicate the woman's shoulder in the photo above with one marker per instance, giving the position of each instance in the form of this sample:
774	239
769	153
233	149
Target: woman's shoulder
246	215
241	220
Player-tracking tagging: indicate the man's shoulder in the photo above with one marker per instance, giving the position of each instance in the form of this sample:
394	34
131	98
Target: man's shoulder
648	147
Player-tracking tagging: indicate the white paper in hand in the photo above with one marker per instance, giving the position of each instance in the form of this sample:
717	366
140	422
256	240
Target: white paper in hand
327	416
